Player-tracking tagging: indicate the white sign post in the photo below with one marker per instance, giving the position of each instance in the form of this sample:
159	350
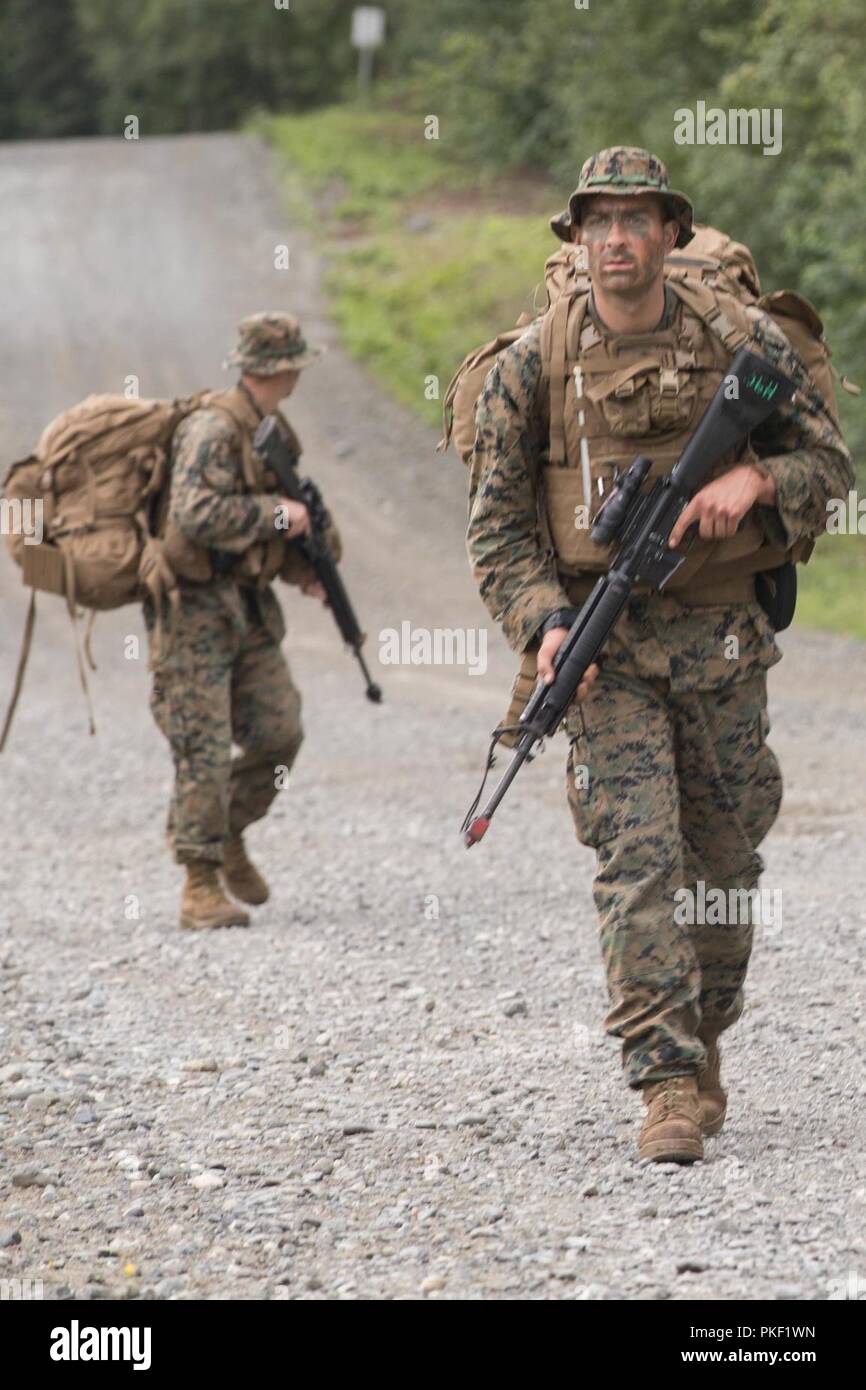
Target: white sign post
368	33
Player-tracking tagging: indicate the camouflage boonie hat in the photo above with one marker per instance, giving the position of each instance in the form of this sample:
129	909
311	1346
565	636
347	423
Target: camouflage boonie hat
620	171
271	343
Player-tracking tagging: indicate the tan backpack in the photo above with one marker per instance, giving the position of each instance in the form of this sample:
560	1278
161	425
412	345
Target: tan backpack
90	488
711	258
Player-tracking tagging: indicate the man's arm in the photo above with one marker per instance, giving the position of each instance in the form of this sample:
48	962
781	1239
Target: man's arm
205	503
803	462
516	577
800	447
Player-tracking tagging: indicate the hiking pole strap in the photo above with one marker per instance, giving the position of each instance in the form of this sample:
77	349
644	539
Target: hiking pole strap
26	643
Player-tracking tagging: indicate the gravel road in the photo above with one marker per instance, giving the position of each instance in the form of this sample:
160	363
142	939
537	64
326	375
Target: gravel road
396	1084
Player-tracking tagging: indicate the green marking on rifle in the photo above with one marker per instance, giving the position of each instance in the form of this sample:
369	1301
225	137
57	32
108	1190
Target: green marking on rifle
767	389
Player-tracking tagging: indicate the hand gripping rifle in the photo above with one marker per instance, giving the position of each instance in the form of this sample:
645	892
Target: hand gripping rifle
641	523
271	444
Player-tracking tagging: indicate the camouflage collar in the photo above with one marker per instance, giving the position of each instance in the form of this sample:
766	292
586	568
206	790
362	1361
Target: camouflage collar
257	413
238	401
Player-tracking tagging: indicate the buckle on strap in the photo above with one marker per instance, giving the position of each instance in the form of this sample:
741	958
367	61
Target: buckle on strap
669	381
724	328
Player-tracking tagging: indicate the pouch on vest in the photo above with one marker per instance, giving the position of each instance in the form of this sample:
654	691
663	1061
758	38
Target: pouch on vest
776	592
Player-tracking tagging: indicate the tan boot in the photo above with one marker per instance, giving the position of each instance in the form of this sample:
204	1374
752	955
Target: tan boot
713	1099
203	902
241	877
671	1131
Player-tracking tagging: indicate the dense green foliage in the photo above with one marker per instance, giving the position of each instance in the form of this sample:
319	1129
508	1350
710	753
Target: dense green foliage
540	83
46	88
81	66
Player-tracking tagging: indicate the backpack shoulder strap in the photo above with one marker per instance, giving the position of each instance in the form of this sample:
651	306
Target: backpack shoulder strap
291	437
218	402
563	318
723	315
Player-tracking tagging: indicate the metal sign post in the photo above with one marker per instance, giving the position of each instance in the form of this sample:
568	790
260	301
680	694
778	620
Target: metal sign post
368	33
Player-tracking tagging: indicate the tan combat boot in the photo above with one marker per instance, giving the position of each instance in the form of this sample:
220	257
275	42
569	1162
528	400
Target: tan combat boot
203	902
671	1131
243	878
713	1099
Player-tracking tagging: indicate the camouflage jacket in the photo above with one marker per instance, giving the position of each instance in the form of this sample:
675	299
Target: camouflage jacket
800	446
210	506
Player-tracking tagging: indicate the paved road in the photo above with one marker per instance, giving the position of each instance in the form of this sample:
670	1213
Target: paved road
396	1084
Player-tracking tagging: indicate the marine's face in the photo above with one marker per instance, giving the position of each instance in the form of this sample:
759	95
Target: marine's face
626	241
268	391
285	383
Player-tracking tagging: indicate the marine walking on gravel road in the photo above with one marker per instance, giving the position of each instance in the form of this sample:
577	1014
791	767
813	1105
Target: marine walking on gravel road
222	677
670	778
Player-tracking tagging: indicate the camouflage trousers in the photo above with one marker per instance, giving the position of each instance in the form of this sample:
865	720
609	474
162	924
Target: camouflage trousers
225	681
672	790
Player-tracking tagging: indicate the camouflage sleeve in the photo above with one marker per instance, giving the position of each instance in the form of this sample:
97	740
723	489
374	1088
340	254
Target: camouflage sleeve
206	503
800	447
516	576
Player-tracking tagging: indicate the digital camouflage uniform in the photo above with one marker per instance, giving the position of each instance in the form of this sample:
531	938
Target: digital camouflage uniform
223	678
676	781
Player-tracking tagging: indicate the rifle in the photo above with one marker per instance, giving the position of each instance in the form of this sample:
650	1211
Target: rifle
271	444
642	523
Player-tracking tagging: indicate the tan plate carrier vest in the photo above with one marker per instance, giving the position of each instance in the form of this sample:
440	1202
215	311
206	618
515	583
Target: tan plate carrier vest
612	399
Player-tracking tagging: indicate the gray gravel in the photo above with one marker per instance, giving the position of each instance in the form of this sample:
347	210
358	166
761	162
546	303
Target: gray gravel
395	1085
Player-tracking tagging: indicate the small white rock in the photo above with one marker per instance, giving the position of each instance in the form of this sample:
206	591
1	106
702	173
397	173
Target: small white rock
208	1180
